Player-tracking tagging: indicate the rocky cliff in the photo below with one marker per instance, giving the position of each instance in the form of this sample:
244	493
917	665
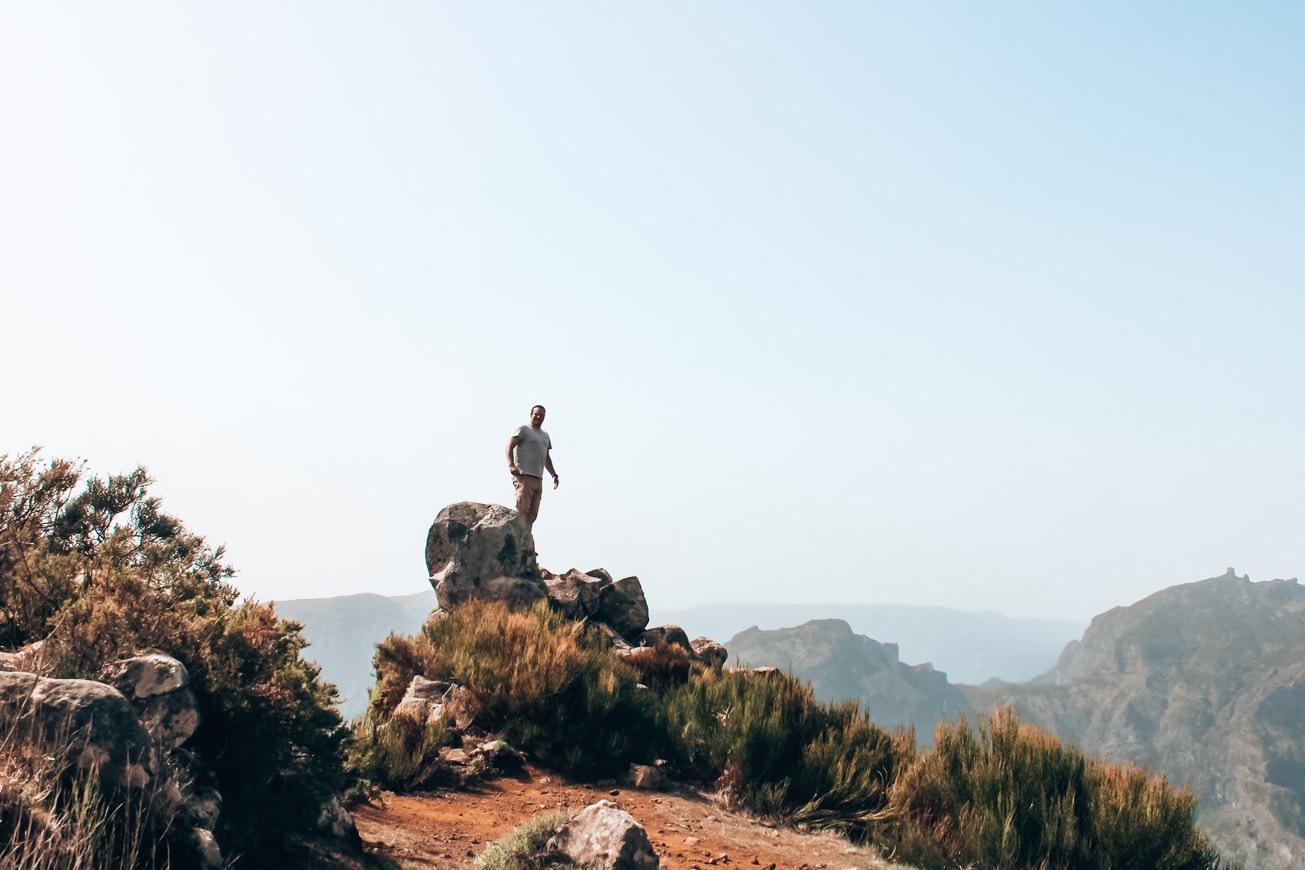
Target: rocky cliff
1205	683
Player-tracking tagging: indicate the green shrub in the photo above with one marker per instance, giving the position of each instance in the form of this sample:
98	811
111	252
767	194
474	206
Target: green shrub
521	850
780	751
102	573
397	752
1010	796
545	681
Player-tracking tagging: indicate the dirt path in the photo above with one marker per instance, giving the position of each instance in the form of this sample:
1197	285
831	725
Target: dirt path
688	830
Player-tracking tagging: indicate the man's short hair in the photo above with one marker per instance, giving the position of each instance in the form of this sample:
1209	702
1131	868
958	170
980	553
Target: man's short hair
540	407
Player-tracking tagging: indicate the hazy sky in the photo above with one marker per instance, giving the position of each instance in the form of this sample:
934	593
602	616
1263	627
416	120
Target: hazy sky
984	305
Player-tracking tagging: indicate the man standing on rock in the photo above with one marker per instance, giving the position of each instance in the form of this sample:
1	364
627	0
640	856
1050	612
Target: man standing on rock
528	454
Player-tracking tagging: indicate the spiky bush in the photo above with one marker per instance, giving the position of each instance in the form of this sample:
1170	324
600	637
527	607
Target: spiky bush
397	752
1009	796
545	681
780	751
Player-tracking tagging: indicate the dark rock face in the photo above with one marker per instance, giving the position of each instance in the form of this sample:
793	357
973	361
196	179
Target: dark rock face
622	606
482	551
841	665
1204	683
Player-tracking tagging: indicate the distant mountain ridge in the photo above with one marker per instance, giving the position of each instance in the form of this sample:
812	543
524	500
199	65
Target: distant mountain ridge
968	647
343	632
841	665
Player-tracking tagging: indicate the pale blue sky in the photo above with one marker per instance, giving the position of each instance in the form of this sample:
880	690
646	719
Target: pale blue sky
977	305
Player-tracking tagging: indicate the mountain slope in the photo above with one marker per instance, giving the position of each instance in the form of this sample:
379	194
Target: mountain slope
841	665
1206	683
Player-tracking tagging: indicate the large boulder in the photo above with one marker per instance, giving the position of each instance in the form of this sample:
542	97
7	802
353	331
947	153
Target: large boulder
623	606
709	652
605	836
158	687
482	551
594	595
87	727
575	593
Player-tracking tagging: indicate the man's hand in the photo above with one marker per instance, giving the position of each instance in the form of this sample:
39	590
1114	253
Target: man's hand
516	472
554	481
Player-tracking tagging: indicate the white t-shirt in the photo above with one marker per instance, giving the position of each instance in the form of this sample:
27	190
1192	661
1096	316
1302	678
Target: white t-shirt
532	446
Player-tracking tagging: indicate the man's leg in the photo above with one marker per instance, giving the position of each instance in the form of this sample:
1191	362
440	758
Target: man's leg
529	489
523	494
537	485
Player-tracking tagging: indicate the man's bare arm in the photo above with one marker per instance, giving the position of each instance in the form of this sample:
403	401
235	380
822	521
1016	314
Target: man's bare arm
548	463
512	463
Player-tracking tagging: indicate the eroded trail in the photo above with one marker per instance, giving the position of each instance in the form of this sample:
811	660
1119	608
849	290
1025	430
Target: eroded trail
448	829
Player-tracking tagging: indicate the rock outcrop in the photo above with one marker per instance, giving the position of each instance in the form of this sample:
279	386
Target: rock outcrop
482	551
90	727
605	836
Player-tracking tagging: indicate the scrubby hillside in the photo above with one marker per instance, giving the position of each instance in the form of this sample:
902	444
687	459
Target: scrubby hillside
563	668
1205	682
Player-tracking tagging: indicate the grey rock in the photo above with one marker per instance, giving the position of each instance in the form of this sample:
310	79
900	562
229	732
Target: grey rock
157	686
482	551
575	594
709	652
426	701
622	606
667	634
146	676
646	776
605	836
89	726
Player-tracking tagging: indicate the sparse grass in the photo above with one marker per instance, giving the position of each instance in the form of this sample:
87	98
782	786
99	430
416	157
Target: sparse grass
397	752
53	819
521	849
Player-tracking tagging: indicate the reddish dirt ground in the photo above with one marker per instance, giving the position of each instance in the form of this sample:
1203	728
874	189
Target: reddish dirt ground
448	829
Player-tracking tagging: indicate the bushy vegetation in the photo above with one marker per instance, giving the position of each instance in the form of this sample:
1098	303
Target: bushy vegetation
545	682
396	752
1008	795
94	570
521	850
1000	795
